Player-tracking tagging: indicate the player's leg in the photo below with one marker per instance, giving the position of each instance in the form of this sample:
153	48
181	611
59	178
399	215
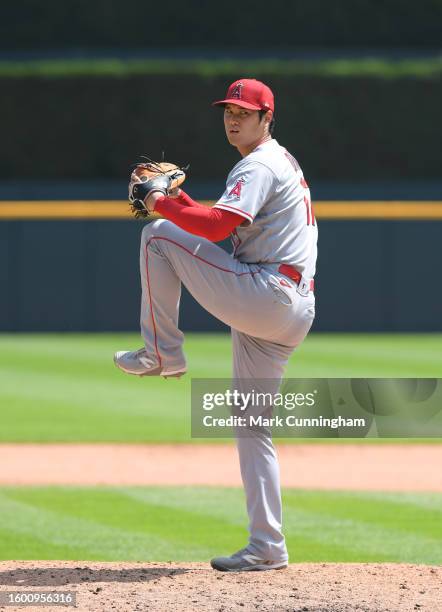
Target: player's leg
259	364
160	297
169	256
262	362
236	293
160	301
215	279
233	292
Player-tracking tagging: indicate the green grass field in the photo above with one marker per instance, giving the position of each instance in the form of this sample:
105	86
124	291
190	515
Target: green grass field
65	387
196	523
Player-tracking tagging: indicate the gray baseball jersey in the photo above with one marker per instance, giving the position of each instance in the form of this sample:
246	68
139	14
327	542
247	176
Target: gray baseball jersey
268	189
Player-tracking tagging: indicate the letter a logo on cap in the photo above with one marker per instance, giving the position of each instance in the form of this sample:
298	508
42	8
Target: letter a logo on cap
236	91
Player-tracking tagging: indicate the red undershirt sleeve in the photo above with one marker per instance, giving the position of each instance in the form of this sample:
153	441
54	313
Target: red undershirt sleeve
186	200
212	223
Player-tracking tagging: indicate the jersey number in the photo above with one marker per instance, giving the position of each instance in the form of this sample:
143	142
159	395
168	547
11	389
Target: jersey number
308	203
307	200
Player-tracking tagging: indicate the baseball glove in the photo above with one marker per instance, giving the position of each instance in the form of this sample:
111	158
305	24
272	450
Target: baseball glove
149	177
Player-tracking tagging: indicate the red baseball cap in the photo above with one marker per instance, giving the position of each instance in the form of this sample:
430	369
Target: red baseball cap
249	93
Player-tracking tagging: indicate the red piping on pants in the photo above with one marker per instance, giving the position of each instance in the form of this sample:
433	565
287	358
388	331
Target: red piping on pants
200	258
193	255
151	309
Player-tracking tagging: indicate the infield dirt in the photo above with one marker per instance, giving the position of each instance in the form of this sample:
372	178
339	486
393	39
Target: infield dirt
325	587
315	587
374	467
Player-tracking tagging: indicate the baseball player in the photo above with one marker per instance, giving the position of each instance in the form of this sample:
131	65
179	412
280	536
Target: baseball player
263	290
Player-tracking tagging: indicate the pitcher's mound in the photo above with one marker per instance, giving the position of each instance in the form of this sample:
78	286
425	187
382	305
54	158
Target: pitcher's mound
315	587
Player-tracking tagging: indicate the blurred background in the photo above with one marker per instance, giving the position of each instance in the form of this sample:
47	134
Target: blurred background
87	87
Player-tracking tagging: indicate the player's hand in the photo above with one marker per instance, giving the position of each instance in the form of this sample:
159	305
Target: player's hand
174	193
148	181
149	202
134	179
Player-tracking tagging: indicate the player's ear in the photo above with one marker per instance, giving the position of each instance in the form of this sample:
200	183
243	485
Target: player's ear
268	117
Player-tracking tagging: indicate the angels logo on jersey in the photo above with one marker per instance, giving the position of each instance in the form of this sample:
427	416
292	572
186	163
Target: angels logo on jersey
236	191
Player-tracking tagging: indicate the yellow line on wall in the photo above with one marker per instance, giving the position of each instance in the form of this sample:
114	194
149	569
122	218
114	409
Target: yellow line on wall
119	209
82	209
378	210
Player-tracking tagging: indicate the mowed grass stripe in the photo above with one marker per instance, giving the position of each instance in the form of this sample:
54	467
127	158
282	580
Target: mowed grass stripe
370	354
395	516
84	352
106	526
323	366
364	527
164	520
209	500
32	421
152	524
93	535
85	361
26	545
316	530
432	501
69	391
51	385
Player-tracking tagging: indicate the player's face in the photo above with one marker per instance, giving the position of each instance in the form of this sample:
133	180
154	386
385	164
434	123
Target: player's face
243	127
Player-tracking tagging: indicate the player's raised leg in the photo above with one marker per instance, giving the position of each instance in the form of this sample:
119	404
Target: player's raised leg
162	352
234	292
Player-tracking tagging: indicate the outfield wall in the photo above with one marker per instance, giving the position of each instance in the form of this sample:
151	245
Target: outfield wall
377	270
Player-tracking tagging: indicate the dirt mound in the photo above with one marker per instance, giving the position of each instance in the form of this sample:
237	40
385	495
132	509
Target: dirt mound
314	587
